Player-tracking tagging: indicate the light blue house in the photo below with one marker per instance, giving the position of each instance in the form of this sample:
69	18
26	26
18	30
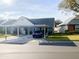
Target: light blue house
25	25
50	22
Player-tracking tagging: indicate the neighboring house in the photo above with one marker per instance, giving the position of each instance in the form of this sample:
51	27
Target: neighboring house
56	29
27	22
70	25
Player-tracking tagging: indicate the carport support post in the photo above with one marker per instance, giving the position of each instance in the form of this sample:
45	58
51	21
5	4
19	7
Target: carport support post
5	29
28	31
44	32
18	31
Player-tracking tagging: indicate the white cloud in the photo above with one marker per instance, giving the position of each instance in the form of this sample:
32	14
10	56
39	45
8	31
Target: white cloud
64	15
8	15
7	2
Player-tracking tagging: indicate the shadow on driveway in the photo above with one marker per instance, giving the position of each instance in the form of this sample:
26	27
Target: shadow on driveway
59	43
64	42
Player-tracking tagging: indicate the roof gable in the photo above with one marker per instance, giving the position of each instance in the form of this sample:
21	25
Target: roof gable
23	21
71	20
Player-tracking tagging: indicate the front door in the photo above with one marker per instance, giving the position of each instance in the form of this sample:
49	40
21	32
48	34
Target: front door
71	28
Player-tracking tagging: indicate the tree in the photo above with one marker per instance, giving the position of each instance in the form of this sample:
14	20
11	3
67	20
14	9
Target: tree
57	22
70	4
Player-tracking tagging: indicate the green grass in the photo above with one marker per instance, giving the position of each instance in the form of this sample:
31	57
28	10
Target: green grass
3	36
63	37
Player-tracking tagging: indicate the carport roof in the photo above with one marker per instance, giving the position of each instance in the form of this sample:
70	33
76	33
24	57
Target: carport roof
21	22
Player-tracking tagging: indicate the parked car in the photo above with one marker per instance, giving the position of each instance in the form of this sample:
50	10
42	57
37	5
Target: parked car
38	34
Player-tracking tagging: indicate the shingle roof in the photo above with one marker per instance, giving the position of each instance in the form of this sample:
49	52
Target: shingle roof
22	21
47	21
9	22
1	21
71	20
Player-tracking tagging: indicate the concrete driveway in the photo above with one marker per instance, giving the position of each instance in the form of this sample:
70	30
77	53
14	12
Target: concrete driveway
18	40
30	40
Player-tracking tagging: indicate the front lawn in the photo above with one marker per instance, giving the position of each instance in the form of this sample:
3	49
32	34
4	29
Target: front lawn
3	35
63	37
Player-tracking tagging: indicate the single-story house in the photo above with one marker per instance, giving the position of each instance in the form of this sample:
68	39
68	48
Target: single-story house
70	25
50	22
24	23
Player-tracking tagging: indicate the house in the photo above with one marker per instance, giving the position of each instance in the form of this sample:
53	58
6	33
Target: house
70	25
24	23
50	22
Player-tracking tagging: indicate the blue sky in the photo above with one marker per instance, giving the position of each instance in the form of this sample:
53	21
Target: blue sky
31	9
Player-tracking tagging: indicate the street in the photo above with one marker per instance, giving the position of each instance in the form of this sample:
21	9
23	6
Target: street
26	51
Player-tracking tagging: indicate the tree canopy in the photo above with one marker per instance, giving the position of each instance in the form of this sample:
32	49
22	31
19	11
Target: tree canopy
69	4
